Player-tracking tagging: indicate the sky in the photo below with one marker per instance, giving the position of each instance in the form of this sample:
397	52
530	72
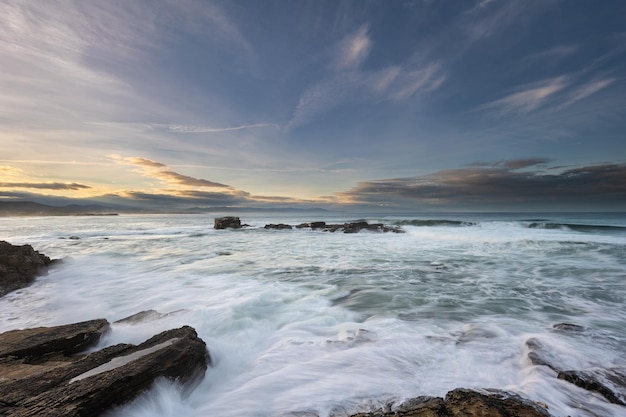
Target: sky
423	105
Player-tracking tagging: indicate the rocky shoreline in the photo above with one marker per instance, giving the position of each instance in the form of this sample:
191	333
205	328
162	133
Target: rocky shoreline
44	372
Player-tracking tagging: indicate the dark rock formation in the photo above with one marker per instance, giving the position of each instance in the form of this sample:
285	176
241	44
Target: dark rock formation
19	265
611	383
38	378
491	403
279	226
33	344
228	222
463	403
353	227
568	327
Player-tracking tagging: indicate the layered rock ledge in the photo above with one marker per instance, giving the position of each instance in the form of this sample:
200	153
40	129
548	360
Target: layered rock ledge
19	265
41	374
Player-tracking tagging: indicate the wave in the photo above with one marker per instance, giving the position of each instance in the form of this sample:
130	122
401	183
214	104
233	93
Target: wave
585	228
433	223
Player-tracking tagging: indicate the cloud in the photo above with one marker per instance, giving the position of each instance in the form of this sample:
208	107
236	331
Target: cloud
530	98
588	89
394	83
9	171
425	79
512	164
163	173
206	129
45	185
500	184
354	49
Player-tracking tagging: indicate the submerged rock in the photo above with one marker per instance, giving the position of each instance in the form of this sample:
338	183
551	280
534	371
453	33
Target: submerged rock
610	383
38	378
228	222
19	265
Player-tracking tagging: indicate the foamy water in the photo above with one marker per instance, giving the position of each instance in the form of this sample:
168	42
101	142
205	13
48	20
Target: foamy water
301	320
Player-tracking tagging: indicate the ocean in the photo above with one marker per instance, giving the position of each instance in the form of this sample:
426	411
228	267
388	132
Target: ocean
302	320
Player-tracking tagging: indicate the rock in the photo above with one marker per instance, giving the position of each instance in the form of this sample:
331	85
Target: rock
19	265
31	344
228	222
490	403
353	227
540	354
311	225
611	383
568	327
414	407
279	226
54	384
464	403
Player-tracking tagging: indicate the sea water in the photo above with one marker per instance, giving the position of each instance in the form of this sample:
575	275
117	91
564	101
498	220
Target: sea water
304	320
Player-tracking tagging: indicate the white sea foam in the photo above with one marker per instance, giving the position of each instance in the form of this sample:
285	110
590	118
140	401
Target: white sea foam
304	320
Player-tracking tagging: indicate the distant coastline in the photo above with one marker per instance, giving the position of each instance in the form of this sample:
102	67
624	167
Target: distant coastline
32	209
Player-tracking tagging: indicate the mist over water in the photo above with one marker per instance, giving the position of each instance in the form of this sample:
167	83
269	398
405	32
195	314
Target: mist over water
301	320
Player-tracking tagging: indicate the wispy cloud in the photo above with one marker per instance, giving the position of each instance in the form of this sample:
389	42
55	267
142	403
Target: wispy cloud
206	129
45	185
587	89
530	98
353	49
163	173
395	83
425	79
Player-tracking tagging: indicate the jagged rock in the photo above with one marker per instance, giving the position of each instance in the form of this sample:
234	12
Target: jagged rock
279	226
228	222
611	383
41	380
19	265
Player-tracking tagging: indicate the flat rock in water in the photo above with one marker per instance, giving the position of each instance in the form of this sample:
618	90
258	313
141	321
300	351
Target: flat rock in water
19	265
50	383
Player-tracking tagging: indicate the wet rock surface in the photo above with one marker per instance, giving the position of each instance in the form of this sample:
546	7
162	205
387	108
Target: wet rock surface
610	383
463	403
41	376
19	265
